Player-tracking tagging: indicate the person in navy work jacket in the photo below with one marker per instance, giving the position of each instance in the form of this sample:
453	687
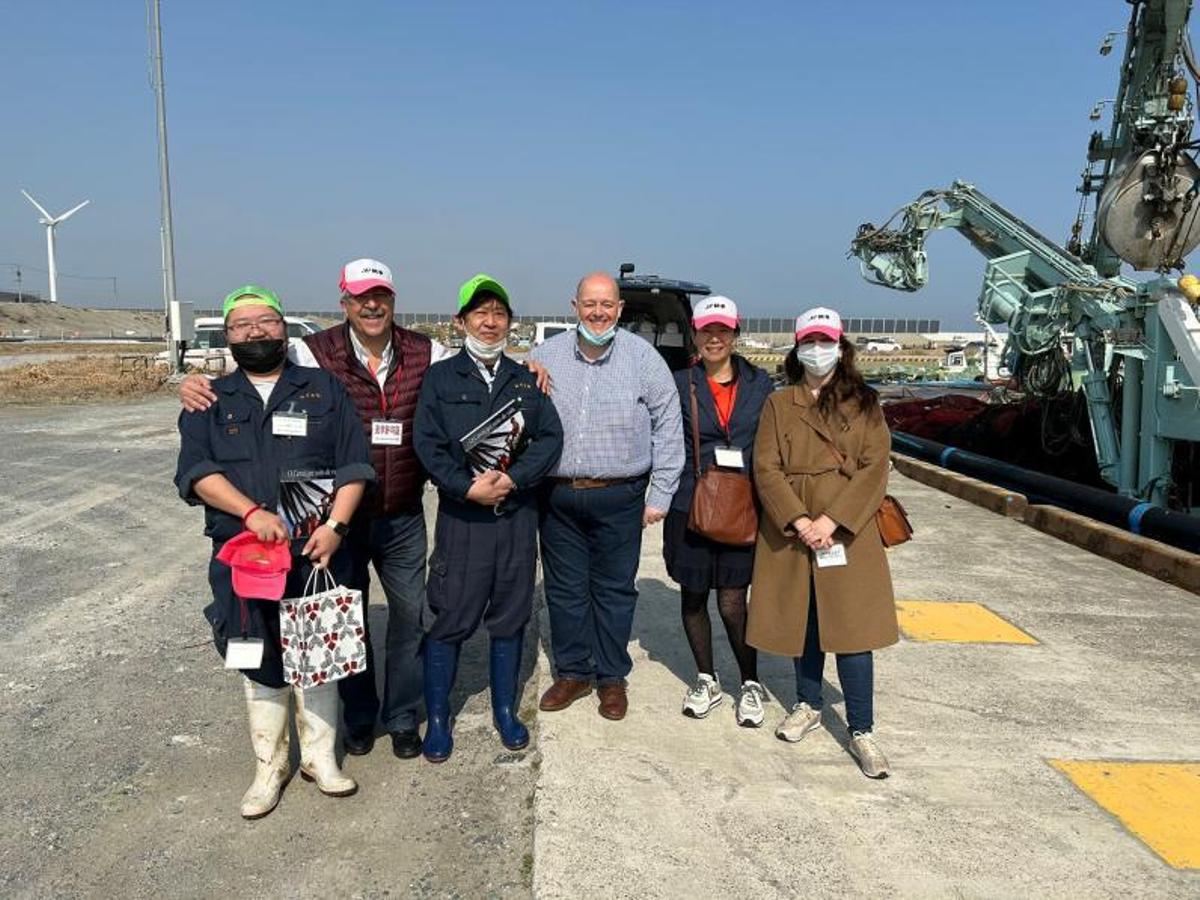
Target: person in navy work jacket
487	436
271	417
730	393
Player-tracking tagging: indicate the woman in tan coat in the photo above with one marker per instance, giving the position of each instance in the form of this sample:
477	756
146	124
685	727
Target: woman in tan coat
821	581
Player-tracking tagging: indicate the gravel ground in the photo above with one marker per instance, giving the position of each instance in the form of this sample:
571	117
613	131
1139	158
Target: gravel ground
125	744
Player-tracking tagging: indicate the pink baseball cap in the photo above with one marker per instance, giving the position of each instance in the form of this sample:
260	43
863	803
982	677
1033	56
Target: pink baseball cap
714	310
259	569
819	320
361	275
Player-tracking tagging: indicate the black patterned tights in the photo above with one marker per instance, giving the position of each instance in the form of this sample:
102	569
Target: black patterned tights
731	604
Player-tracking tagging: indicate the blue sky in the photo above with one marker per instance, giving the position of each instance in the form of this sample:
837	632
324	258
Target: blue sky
735	144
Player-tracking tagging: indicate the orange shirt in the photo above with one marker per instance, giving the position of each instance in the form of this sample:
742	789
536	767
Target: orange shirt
724	396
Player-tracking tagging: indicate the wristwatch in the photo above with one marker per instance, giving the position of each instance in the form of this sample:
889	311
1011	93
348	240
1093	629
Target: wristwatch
339	528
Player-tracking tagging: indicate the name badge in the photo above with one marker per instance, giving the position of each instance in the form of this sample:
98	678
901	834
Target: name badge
289	424
730	457
831	556
243	653
386	433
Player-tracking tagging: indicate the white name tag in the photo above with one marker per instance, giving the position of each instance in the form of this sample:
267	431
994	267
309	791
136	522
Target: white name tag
289	424
243	653
730	457
831	556
389	434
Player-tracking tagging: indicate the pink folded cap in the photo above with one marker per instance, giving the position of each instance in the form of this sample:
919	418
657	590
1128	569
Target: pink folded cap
259	569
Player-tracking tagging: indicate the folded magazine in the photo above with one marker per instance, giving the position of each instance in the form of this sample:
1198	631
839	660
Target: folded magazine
305	499
496	441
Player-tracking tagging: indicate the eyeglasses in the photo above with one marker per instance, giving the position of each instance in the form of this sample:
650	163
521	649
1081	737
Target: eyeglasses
266	323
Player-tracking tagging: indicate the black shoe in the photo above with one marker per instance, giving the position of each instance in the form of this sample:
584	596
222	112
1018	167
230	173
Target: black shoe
406	744
359	743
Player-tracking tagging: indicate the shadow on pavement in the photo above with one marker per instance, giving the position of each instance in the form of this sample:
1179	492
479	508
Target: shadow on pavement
658	628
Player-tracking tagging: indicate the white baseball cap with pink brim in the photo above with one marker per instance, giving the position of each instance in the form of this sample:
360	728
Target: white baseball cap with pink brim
819	320
361	275
714	310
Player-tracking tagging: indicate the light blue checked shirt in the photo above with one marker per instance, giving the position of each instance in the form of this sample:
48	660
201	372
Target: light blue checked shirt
620	414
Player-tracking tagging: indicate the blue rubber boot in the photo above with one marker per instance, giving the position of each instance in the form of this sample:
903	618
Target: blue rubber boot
441	665
505	664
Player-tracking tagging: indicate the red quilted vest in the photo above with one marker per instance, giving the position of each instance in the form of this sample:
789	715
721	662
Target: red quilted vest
400	478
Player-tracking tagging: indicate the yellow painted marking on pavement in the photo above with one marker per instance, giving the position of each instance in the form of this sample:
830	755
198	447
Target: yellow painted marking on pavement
962	623
1158	802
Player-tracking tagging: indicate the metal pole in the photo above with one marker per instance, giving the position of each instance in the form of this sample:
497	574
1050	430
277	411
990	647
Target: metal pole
164	181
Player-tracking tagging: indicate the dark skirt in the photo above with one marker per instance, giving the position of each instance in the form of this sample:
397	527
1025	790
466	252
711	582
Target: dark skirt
699	564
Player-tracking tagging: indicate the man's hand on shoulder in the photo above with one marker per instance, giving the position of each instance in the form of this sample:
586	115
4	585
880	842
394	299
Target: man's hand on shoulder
542	374
196	394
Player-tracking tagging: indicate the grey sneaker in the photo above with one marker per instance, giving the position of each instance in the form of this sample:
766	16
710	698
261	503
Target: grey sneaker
749	709
799	722
870	758
706	694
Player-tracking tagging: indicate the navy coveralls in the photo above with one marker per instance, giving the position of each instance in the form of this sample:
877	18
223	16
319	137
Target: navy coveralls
234	438
482	563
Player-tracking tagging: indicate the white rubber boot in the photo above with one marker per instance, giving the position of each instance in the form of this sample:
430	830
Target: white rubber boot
316	723
268	712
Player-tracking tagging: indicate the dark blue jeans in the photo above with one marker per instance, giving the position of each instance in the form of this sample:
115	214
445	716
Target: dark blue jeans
396	546
591	546
856	674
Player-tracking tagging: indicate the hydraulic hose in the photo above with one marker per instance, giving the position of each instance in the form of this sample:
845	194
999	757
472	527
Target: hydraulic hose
1177	529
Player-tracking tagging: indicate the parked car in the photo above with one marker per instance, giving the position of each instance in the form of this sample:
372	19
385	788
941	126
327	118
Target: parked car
882	345
209	351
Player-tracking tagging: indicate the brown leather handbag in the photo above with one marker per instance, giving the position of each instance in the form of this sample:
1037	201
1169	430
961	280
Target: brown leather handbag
894	527
723	508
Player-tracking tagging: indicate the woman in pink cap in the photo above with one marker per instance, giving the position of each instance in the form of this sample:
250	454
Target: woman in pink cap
729	395
821	579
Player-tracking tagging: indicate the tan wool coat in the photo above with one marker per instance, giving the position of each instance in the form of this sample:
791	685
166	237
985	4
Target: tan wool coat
797	474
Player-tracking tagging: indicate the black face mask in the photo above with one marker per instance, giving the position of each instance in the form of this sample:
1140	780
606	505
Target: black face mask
259	357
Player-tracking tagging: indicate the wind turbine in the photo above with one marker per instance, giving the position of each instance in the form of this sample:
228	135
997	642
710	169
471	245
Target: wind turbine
50	221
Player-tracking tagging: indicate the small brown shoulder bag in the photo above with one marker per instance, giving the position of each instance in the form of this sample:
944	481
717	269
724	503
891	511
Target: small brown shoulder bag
894	527
723	507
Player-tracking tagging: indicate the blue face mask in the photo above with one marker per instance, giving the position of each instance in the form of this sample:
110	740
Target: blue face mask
597	340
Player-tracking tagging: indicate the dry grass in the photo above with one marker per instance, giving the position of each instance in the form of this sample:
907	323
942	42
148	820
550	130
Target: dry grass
84	379
16	348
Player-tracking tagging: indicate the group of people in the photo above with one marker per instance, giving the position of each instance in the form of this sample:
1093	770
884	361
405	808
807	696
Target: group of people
579	450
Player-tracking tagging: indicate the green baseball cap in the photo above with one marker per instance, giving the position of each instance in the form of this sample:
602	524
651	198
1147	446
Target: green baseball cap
248	295
481	282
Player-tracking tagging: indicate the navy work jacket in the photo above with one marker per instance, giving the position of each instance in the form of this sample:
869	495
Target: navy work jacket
754	387
454	400
234	437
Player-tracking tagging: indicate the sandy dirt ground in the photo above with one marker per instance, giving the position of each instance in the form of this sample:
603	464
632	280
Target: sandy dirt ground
125	743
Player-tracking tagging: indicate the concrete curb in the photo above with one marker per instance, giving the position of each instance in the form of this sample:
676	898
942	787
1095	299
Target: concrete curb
1151	557
998	500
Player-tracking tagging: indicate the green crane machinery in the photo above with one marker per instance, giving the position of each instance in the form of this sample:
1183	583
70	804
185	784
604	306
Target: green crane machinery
1132	347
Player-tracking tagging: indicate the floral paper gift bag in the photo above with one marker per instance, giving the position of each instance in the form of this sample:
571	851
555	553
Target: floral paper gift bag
322	634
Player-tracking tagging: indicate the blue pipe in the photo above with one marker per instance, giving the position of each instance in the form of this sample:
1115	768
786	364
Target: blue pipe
1136	516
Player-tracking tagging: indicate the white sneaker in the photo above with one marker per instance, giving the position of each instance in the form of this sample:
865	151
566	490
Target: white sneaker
799	722
701	699
870	758
749	709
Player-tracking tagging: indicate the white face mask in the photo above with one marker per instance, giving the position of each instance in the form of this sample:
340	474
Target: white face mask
818	359
483	351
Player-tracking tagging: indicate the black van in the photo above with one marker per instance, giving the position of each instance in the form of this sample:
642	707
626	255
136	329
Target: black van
660	311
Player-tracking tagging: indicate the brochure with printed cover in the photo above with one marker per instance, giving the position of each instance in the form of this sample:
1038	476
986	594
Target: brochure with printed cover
496	441
305	499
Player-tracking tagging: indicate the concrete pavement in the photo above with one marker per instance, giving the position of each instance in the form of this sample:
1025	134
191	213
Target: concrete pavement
665	806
